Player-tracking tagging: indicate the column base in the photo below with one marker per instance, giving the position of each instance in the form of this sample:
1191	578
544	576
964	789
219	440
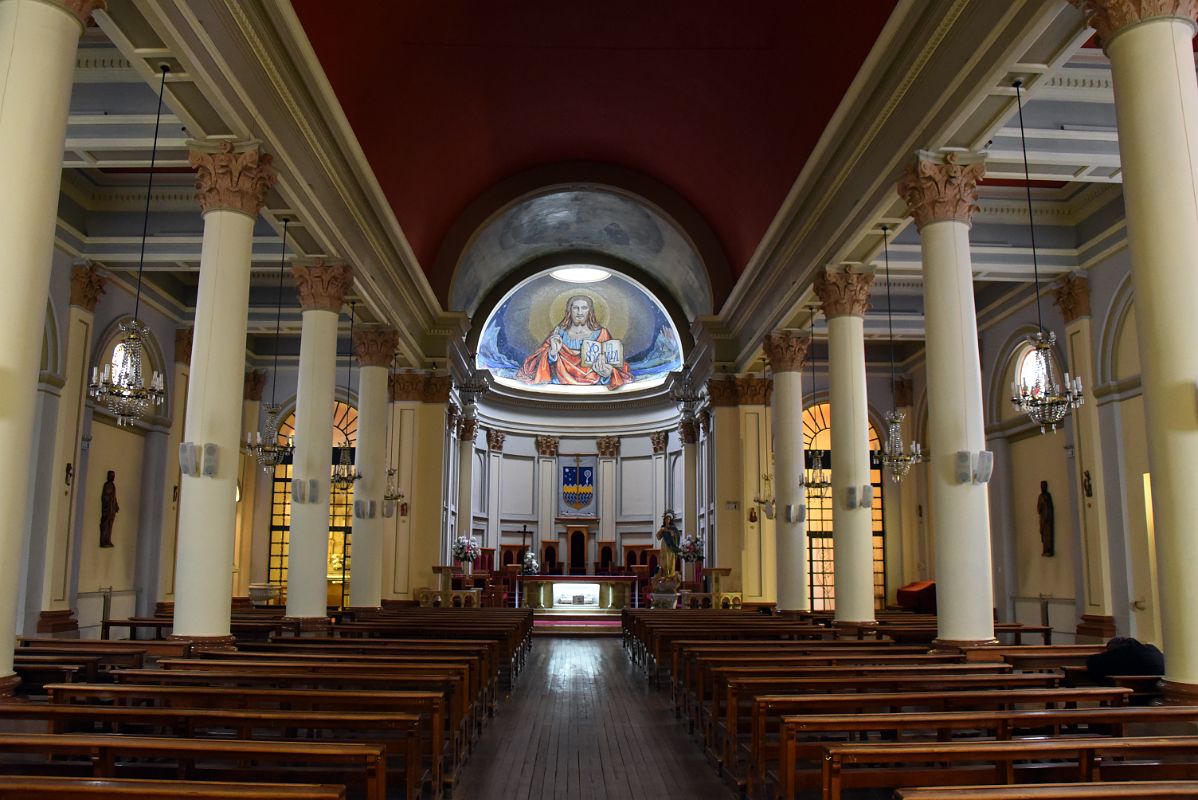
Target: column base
308	626
1180	694
861	628
960	645
58	622
9	684
1096	626
201	644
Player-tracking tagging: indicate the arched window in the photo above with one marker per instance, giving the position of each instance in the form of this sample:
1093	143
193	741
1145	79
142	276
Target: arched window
341	505
817	443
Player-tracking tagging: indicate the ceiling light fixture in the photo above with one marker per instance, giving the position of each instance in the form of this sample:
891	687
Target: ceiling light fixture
580	274
344	474
815	480
897	460
1042	398
124	390
269	451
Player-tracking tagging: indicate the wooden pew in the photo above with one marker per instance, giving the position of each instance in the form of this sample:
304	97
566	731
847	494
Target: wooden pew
399	734
37	787
449	679
430	706
104	756
1140	790
802	735
170	648
738	690
893	766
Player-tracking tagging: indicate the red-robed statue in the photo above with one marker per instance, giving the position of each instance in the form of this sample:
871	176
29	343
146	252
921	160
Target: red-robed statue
560	359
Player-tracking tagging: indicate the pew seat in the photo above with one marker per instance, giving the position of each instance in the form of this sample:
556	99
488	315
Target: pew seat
1141	790
51	787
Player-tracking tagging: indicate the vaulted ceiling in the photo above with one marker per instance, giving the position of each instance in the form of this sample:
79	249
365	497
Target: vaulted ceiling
721	102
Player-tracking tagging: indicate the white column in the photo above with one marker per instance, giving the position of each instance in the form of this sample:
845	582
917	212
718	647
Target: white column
322	289
609	453
494	489
941	195
56	614
1156	107
547	447
659	441
177	395
375	348
248	476
467	431
845	297
787	352
38	41
207	502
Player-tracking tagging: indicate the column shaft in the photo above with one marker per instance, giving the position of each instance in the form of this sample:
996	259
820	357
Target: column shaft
366	568
38	42
960	511
794	593
207	503
1156	105
308	552
852	524
169	541
466	479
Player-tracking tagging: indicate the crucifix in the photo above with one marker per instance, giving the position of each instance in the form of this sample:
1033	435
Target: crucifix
523	541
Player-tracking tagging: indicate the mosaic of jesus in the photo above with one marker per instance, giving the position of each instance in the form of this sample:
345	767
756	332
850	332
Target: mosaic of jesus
554	335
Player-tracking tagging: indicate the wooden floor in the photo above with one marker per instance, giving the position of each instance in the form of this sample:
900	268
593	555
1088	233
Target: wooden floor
583	723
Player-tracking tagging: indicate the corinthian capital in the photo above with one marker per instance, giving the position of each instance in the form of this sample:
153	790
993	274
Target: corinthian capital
255	383
937	190
1112	17
87	285
81	9
843	293
322	286
375	345
229	179
1072	296
786	350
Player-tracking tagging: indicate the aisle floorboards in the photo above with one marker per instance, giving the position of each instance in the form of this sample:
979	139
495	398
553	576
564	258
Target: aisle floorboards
584	725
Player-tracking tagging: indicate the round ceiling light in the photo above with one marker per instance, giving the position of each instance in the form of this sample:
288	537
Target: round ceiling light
580	274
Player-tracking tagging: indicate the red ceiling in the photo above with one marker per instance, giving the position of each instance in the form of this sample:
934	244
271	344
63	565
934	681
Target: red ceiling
721	101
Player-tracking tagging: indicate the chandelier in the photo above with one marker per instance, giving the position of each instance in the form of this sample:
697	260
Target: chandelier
815	482
1042	398
895	457
267	448
125	390
392	495
344	474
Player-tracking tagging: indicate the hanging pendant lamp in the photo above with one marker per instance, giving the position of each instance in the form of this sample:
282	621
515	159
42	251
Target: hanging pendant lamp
344	474
124	390
392	495
817	485
268	449
895	457
1045	400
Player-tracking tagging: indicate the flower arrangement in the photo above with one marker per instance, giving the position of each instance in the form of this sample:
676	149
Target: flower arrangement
466	549
691	548
530	566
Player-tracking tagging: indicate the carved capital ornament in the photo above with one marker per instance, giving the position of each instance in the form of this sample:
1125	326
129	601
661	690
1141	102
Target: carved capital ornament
183	337
843	293
1071	294
722	391
1112	17
608	446
81	9
495	440
935	191
375	346
322	287
255	384
659	440
547	445
467	429
232	180
688	431
87	285
786	350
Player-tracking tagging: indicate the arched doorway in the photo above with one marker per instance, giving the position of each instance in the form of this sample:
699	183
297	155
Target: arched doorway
341	505
817	443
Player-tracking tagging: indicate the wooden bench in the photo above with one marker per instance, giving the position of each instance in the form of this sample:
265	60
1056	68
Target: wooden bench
35	787
892	766
430	706
176	648
400	734
103	757
740	690
1140	790
804	737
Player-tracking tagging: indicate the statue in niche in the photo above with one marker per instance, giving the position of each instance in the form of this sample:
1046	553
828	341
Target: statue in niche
671	539
108	509
1047	521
